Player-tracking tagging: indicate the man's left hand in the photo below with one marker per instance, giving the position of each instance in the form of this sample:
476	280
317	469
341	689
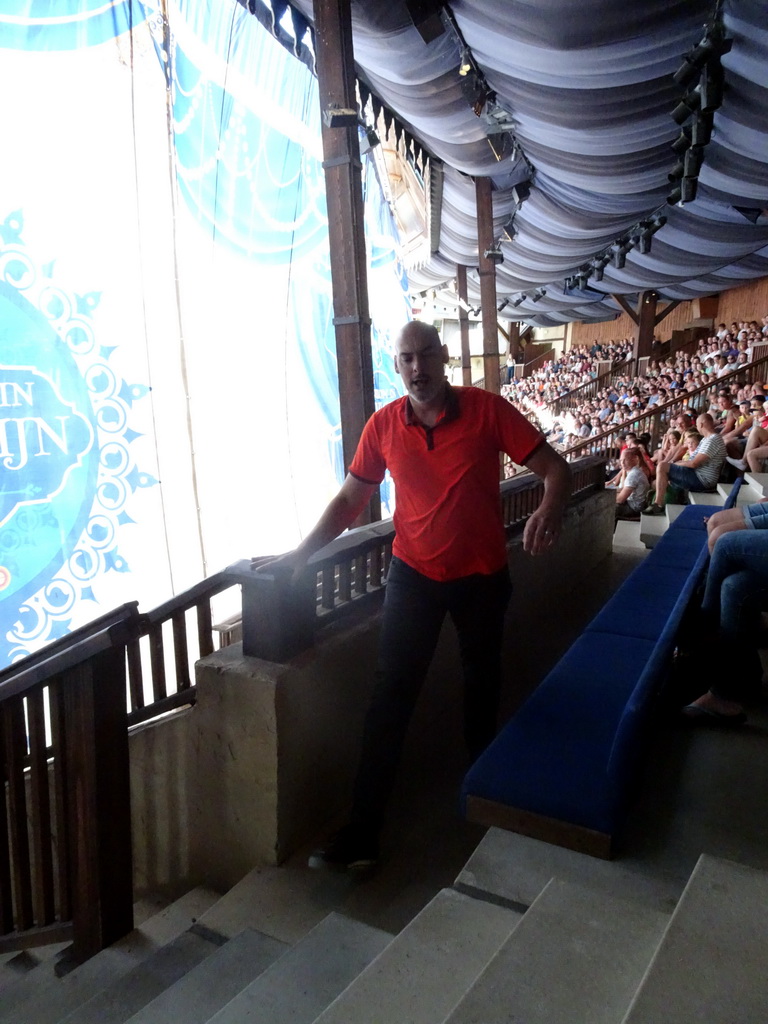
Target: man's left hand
541	532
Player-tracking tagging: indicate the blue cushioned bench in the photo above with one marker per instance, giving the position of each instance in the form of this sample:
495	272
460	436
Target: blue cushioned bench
563	767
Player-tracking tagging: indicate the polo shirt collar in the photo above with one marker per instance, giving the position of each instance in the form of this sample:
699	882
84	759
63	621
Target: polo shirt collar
451	410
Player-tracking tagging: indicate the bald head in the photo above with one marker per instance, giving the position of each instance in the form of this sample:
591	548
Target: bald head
419	359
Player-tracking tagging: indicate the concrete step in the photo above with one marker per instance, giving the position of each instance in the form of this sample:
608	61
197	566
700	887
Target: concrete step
706	498
14	967
298	986
284	902
710	965
759	481
424	972
575	958
627	535
515	868
43	998
125	996
215	982
747	494
652	528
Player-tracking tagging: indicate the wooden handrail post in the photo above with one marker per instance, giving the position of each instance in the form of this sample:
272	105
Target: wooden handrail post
98	785
278	613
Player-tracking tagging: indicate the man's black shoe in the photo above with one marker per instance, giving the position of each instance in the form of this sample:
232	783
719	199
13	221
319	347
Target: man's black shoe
351	849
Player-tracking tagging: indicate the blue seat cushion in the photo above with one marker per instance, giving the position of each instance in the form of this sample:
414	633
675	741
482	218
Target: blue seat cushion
693	517
552	756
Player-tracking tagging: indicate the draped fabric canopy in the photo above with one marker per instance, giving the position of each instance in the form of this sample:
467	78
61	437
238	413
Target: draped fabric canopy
586	93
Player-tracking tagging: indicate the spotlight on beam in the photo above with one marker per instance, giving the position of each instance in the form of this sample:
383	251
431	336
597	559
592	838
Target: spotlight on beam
692	161
520	299
619	256
701	129
494	254
520	193
502	305
688	189
682	142
508	231
687	106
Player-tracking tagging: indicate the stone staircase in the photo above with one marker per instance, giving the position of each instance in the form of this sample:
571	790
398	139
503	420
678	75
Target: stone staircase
508	942
753	489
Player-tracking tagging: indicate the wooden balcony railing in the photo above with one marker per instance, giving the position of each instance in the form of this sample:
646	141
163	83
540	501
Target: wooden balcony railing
280	615
65	833
65	843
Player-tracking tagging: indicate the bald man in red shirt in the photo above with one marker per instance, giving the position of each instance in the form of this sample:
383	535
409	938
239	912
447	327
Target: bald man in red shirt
441	445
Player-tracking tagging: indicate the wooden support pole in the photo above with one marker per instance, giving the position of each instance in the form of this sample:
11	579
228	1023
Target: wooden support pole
487	271
646	323
96	760
343	186
466	362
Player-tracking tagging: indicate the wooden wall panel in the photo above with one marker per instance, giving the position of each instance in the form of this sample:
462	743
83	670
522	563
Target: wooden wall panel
749	301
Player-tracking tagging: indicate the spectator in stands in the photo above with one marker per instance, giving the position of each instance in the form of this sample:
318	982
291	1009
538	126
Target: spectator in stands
632	487
700	474
668	447
735	438
735	594
743	517
691	442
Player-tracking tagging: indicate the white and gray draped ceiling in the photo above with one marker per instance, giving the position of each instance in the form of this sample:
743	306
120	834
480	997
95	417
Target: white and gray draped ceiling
589	86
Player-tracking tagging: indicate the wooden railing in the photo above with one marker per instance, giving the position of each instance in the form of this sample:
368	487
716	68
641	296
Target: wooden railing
658	419
65	845
169	641
65	834
280	615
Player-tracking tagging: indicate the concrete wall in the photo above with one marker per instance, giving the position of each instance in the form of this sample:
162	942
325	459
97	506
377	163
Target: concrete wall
264	761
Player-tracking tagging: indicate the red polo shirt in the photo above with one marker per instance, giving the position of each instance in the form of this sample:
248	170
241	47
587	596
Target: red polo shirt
448	515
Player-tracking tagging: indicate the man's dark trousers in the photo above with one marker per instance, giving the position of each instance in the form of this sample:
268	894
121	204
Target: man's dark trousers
414	610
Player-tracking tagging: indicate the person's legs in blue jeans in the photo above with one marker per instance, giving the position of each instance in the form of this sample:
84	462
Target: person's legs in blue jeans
736	591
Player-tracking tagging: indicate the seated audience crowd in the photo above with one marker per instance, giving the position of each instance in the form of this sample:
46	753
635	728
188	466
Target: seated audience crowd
723	423
719	423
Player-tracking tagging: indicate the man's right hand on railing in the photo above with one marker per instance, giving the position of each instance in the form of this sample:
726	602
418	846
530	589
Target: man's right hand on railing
341	512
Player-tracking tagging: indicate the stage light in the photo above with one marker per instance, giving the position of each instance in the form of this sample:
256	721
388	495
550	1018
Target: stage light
520	299
538	294
508	231
688	188
701	129
466	63
370	141
677	171
502	305
520	193
710	89
693	160
619	256
687	106
682	142
675	196
495	255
